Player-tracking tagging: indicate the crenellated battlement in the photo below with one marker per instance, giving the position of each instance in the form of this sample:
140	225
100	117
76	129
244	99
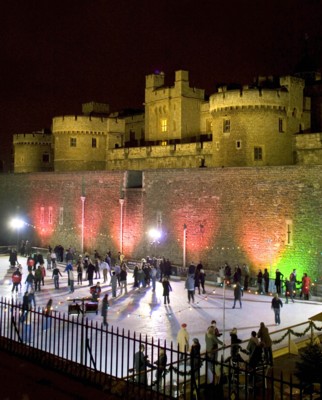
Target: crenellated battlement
79	124
156	91
286	93
250	99
32	139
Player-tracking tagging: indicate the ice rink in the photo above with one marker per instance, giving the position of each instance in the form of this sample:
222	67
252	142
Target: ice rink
144	312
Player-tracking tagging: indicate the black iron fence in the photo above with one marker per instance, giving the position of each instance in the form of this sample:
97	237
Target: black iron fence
131	365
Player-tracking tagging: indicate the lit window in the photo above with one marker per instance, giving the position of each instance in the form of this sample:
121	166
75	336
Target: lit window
164	143
94	143
45	158
164	125
238	144
50	216
61	215
280	125
73	142
226	125
258	154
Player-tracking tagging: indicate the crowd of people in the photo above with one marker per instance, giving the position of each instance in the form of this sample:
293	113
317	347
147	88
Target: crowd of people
289	286
257	353
113	271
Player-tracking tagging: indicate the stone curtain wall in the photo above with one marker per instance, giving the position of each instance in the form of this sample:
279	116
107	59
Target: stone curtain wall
34	197
267	217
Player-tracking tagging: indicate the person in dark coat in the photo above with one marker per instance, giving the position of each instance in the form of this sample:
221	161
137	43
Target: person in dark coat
276	306
234	351
260	281
246	276
237	294
278	278
266	280
55	276
104	310
166	290
168	268
192	269
197	280
162	268
255	351
202	278
90	272
161	364
263	335
13	258
141	363
25	307
195	362
288	291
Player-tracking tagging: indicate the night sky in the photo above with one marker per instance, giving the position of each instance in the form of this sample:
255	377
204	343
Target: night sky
56	55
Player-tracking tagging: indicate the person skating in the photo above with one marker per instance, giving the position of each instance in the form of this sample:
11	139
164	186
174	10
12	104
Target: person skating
276	306
166	290
16	280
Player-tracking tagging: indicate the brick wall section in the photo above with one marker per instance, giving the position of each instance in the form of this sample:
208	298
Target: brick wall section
240	215
232	214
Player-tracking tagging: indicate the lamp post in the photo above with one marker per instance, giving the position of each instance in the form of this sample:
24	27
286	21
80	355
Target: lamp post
269	241
83	222
121	224
184	245
17	224
224	315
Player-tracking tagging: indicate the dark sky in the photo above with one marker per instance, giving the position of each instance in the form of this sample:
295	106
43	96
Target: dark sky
56	55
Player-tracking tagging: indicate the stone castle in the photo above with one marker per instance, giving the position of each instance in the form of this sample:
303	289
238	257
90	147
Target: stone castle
272	122
233	176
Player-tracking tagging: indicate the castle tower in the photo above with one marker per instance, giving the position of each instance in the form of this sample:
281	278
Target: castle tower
171	113
33	152
80	141
255	126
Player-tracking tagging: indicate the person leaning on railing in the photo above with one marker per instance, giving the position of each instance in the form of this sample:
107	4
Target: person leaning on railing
141	363
212	343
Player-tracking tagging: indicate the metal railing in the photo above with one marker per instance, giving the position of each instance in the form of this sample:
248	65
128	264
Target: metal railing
109	358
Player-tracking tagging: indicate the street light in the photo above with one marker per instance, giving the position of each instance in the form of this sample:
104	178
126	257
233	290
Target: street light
155	236
17	224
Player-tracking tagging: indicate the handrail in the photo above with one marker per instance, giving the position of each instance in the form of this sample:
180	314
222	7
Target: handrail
286	331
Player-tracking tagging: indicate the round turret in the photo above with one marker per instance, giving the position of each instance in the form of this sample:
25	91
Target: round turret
80	143
33	152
